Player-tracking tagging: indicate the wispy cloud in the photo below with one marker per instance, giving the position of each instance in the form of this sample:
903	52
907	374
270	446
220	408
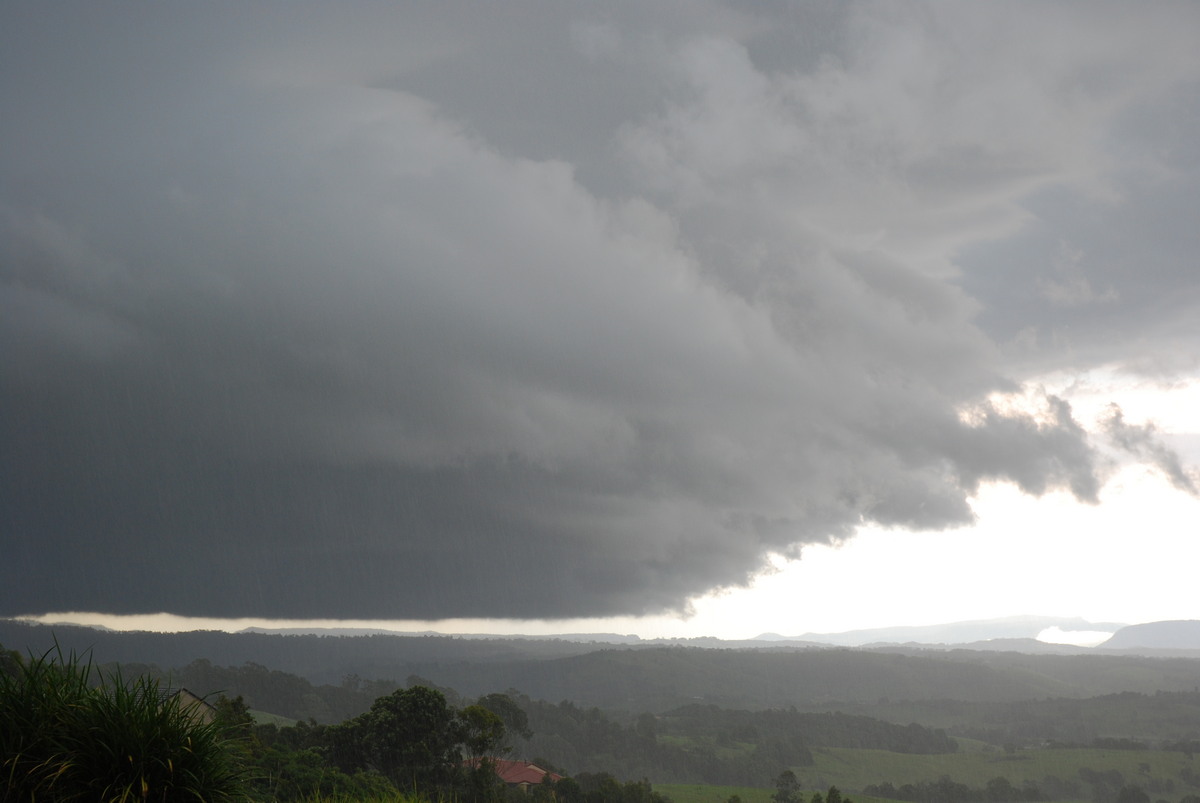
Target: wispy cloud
1143	441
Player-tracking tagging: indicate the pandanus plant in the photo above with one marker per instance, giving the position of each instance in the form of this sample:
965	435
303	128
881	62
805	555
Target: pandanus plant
69	732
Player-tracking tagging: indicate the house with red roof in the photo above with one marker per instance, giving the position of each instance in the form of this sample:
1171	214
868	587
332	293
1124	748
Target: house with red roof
521	774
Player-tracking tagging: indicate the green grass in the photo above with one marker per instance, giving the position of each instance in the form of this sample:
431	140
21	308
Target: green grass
63	738
729	751
398	797
850	769
697	793
264	718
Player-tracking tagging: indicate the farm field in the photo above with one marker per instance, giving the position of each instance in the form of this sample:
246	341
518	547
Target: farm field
853	769
267	718
850	769
698	793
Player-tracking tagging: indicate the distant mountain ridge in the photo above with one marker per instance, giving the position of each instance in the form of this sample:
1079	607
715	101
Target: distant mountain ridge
581	638
1182	634
1015	633
650	677
954	633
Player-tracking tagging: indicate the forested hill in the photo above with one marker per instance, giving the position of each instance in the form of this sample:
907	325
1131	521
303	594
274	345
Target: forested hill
658	679
635	685
641	678
320	658
665	678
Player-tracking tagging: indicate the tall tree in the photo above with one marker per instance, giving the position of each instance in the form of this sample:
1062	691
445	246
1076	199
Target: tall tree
516	721
482	732
786	787
412	736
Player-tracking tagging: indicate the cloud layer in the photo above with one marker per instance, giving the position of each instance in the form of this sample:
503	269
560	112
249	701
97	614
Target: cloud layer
551	310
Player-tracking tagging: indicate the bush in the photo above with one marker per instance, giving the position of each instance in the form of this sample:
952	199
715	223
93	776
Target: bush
64	737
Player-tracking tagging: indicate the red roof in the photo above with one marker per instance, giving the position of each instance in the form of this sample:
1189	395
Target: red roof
521	772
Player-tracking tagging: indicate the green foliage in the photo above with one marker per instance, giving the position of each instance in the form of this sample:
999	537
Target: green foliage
1132	794
283	693
1043	774
695	793
800	730
412	737
481	731
588	740
1127	720
290	775
417	740
10	661
64	737
640	678
946	790
786	787
369	797
698	793
293	763
36	697
516	721
601	787
704	743
718	744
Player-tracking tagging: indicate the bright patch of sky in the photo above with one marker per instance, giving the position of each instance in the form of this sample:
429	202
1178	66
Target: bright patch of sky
1078	638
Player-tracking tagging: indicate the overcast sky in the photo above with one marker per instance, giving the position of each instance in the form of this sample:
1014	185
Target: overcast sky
547	310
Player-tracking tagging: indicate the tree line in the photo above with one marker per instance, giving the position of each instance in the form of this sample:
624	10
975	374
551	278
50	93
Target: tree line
694	743
70	731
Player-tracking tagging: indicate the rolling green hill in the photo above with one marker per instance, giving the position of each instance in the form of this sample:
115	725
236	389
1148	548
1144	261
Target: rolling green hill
644	678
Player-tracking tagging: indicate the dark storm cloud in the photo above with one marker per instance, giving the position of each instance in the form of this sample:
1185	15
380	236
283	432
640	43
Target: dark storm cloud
529	310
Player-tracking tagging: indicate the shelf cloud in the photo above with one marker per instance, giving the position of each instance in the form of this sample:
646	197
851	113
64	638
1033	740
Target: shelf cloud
550	310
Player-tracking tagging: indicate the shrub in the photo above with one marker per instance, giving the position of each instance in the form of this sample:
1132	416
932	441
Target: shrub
64	738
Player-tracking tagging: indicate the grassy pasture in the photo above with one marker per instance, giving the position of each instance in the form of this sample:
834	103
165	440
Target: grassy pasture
696	793
851	769
265	718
